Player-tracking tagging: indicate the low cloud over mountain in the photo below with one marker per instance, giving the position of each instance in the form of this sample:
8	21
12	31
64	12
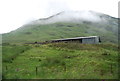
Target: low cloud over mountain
73	16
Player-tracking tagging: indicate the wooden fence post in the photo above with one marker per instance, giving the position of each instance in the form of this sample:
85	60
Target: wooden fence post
65	68
6	67
36	70
111	68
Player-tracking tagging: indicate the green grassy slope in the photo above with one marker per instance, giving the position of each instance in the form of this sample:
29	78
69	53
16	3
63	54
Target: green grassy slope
62	61
32	33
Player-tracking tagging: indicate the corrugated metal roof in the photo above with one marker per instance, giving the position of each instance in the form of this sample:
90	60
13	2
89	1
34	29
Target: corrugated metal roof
76	38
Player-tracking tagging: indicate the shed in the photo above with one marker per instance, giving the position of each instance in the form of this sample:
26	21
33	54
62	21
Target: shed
83	40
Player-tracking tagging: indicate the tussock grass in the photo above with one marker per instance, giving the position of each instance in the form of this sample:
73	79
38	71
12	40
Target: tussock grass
10	52
62	61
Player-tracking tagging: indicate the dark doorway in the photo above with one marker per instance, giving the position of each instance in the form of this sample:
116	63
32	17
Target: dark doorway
80	40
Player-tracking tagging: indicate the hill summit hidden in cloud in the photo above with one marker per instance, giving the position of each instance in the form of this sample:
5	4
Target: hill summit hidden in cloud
74	16
67	24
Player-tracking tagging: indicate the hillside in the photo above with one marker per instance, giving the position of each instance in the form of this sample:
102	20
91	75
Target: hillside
60	61
65	25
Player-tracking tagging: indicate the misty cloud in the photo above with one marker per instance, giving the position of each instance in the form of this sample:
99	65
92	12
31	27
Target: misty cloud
15	13
72	16
54	6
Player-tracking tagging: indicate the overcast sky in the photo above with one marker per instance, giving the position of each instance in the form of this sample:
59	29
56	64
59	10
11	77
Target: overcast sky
15	13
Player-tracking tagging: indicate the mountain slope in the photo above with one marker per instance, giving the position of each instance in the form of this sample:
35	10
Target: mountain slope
65	25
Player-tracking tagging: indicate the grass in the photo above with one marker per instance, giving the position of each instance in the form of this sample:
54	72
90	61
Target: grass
62	61
32	33
10	52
